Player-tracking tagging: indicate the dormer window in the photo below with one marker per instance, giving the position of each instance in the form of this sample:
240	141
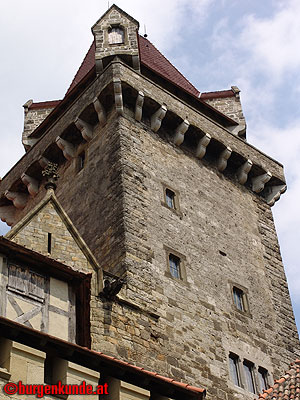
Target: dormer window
116	35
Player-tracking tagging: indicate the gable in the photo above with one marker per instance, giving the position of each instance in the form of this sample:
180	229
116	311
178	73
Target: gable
49	231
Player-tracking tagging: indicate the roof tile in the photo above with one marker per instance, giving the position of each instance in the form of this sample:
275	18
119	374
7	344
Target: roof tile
150	57
287	387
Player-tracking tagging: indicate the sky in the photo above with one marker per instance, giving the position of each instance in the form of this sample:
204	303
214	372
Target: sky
214	43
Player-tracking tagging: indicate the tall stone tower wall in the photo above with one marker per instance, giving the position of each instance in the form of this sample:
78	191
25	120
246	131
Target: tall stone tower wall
123	145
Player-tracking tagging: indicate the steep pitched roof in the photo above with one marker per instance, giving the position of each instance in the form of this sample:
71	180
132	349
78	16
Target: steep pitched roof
150	57
287	387
153	59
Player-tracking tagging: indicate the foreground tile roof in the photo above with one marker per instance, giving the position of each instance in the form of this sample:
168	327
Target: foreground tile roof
150	57
287	387
97	360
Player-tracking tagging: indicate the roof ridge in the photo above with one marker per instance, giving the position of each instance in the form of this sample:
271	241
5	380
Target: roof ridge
140	36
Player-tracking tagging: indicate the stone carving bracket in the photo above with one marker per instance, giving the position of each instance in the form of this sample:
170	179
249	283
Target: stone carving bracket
85	129
223	158
118	95
180	132
157	118
203	143
258	182
100	111
67	148
273	193
31	183
19	199
243	171
7	214
139	106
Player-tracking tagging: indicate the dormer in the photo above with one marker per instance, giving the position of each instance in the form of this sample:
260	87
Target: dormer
116	35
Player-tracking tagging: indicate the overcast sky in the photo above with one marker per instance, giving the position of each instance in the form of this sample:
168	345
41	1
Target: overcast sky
214	43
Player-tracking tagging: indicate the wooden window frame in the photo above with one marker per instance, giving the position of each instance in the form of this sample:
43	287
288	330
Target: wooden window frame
234	369
244	297
249	376
176	204
182	261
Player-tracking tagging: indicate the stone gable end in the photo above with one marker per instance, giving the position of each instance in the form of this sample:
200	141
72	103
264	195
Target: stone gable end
46	228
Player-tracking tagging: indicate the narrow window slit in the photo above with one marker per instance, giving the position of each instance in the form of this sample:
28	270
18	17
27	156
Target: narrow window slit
49	243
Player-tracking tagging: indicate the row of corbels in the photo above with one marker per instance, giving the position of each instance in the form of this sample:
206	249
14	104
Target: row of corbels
257	183
20	199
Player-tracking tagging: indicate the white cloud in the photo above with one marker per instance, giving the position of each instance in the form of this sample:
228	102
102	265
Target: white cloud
274	42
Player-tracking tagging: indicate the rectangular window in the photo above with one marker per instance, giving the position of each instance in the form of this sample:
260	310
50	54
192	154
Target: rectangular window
234	369
174	264
262	379
26	282
238	298
170	198
249	378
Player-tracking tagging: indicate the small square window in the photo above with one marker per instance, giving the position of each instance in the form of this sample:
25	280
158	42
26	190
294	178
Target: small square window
262	379
116	35
174	264
234	369
170	198
249	378
238	299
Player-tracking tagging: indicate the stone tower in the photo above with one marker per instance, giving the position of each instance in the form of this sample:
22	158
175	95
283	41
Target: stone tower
161	190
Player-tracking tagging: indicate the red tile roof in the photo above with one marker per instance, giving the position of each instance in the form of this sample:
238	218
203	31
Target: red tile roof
287	387
149	57
44	104
217	95
90	358
153	59
87	64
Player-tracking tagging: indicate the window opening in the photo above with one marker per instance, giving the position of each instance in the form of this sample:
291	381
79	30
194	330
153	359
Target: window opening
25	282
234	369
170	198
263	379
116	35
248	370
81	161
238	299
174	264
49	243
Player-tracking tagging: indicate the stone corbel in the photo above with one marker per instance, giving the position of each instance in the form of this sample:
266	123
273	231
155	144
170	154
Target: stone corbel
100	110
203	143
243	171
43	161
157	118
139	106
136	62
29	141
238	130
258	182
7	214
180	132
19	199
99	65
85	129
222	161
67	148
31	183
273	193
118	95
